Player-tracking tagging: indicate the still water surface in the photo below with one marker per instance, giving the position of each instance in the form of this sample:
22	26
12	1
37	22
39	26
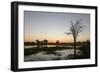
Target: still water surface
59	55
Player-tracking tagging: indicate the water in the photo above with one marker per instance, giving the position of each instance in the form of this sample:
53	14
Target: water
59	55
33	46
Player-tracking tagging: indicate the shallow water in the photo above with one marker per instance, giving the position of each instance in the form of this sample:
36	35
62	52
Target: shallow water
33	46
59	55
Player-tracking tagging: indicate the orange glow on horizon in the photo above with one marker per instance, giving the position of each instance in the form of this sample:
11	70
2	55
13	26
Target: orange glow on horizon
54	38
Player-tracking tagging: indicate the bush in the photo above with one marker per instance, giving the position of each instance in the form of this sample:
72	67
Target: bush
85	49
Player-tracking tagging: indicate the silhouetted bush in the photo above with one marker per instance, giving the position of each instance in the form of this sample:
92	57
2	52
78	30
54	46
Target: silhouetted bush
85	49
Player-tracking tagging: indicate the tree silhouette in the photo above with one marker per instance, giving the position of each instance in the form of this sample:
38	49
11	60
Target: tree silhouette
38	43
75	29
57	43
45	42
41	44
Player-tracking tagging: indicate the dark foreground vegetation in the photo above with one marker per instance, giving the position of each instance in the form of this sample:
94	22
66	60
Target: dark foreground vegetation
85	49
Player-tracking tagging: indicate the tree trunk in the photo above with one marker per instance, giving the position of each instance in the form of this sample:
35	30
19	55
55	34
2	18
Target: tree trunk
74	47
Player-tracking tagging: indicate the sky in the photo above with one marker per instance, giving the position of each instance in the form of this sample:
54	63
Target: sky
53	25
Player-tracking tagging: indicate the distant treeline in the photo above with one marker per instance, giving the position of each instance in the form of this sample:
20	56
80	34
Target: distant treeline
45	42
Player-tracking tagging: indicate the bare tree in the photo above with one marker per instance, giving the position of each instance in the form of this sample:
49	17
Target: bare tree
75	29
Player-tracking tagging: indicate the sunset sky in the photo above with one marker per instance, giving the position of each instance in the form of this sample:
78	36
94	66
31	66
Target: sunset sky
53	25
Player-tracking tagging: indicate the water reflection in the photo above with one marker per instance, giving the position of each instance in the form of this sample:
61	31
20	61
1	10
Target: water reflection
33	46
43	56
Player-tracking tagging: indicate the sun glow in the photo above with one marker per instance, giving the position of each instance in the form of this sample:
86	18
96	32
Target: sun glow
54	38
